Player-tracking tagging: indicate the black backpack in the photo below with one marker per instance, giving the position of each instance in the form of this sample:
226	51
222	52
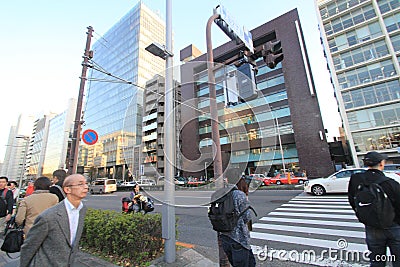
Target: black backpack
372	205
222	213
3	203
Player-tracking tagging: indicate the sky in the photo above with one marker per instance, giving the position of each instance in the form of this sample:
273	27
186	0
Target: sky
42	43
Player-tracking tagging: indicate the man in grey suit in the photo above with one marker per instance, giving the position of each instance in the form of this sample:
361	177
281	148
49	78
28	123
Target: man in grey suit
54	237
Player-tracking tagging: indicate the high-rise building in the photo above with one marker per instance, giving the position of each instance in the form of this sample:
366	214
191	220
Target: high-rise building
39	144
361	39
114	107
16	160
280	130
153	128
57	148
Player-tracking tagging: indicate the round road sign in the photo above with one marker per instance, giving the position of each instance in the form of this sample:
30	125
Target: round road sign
89	137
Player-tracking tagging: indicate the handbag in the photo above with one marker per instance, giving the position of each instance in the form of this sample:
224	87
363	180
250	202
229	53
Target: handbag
13	239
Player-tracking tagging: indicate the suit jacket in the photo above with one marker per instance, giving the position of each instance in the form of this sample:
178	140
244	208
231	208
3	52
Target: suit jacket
48	242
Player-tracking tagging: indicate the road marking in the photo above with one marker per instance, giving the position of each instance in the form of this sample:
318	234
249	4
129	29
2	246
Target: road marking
307	241
314	215
322	198
185	245
316	222
321	202
301	229
316	210
317	206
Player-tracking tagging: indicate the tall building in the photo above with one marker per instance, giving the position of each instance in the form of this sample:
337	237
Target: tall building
114	108
58	140
361	39
16	160
281	129
39	145
153	128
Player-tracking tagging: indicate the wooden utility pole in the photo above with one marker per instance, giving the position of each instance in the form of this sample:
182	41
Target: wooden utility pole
73	155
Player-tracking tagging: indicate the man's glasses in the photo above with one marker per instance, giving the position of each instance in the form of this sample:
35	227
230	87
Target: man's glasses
80	185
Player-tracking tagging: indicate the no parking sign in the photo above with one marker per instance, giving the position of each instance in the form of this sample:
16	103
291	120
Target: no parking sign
90	137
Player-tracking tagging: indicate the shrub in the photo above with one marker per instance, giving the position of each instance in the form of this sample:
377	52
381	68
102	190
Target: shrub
133	236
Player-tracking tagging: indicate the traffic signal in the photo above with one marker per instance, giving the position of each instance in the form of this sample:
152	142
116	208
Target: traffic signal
272	53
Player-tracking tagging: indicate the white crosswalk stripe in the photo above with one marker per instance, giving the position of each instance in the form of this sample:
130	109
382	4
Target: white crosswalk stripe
322	223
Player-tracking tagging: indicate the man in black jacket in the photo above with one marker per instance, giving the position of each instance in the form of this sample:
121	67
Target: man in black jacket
6	196
58	180
378	239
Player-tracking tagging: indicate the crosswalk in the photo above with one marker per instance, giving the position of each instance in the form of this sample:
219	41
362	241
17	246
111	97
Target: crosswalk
325	226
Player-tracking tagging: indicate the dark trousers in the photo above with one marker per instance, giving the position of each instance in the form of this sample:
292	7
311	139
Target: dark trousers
238	255
378	240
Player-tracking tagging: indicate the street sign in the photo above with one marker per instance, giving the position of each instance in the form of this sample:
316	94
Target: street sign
90	137
243	34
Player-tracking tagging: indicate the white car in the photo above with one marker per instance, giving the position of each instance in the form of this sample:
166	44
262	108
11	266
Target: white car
337	182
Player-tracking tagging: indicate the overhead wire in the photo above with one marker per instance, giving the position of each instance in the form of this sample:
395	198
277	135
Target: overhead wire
120	80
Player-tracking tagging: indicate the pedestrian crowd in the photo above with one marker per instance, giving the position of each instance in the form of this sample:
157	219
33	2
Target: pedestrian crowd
51	215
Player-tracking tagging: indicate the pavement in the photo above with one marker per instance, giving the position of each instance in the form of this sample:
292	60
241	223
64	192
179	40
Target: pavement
195	256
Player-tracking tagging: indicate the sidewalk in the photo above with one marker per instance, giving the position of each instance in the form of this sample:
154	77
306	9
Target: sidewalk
185	257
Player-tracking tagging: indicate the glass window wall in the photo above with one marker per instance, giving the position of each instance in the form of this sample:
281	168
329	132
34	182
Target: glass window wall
372	94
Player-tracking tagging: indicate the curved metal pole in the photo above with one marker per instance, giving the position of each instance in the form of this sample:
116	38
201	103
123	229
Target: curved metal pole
213	106
223	259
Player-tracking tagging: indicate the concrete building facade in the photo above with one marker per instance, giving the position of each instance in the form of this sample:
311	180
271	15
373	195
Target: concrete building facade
281	129
361	39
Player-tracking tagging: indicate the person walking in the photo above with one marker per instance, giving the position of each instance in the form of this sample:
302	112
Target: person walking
58	180
236	243
54	237
378	239
6	203
30	207
13	186
29	189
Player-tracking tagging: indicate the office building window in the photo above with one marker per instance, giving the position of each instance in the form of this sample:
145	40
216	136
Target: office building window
372	94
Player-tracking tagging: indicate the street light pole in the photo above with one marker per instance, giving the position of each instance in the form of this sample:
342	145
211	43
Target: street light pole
219	181
168	217
205	169
280	145
26	139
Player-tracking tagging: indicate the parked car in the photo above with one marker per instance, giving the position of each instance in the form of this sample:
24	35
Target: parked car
260	178
103	185
282	178
337	182
395	168
180	180
142	182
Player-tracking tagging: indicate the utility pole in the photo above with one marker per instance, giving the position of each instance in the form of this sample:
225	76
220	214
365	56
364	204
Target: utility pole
73	155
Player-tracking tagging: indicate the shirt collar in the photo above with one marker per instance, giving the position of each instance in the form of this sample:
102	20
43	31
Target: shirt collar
71	207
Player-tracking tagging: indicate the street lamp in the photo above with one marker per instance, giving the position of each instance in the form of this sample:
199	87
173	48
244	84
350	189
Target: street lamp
168	214
26	138
159	50
205	168
280	145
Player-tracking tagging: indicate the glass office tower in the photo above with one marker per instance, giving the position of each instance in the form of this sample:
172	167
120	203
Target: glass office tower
114	107
361	40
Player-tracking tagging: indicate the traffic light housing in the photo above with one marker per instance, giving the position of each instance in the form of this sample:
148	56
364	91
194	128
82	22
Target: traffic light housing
272	53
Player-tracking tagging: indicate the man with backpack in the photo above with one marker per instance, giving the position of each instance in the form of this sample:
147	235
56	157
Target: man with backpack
6	203
229	214
376	200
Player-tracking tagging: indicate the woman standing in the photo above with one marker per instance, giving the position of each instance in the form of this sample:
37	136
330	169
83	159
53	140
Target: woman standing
30	207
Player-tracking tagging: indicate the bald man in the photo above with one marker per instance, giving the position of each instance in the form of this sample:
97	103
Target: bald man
54	237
